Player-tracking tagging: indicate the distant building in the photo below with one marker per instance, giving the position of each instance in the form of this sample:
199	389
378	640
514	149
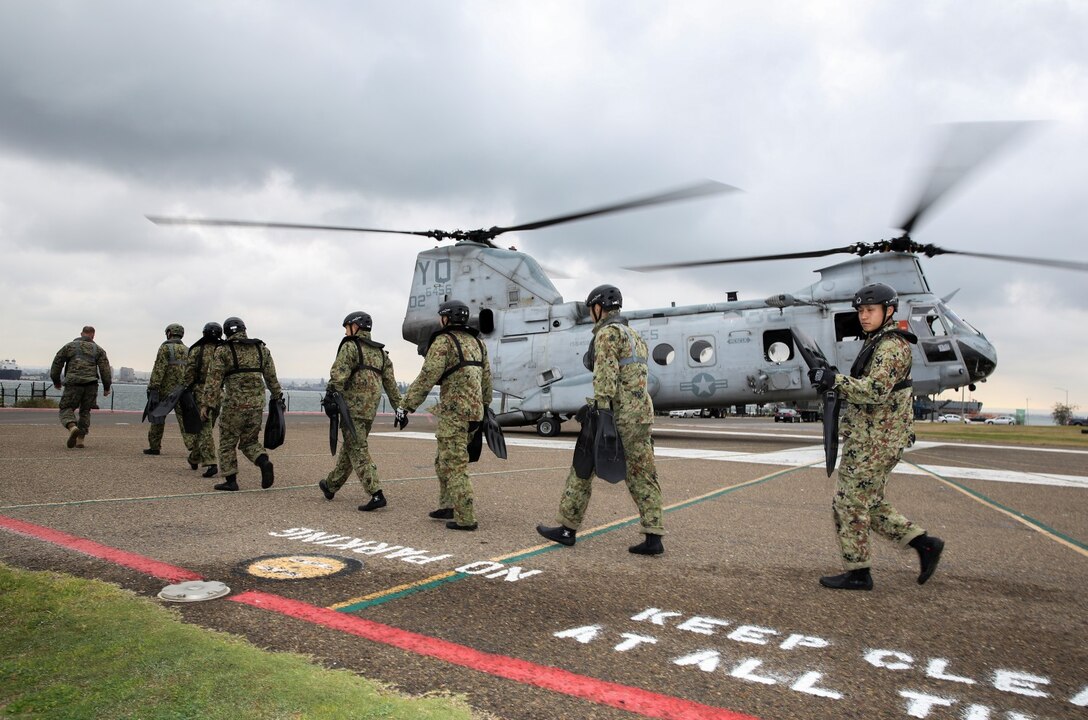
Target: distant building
126	375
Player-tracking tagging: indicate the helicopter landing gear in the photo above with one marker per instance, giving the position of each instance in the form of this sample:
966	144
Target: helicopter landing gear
548	426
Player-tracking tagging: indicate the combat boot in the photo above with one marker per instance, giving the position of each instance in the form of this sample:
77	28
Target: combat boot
560	534
73	435
377	500
211	471
193	465
79	440
452	525
441	514
329	494
152	451
850	580
267	476
230	482
929	554
651	545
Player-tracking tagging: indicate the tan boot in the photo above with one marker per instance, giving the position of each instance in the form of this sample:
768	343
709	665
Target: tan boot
73	435
79	440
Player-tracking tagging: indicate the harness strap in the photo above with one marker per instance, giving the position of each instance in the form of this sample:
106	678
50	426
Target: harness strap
461	362
234	354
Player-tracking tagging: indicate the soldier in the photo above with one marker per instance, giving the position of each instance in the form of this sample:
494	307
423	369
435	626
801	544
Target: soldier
361	369
456	360
877	424
241	368
617	356
196	377
83	362
167	373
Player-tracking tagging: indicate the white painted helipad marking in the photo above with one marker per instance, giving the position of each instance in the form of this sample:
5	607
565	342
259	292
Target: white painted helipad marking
814	455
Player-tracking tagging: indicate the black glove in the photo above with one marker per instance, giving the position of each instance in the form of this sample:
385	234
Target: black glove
583	413
400	418
328	404
823	379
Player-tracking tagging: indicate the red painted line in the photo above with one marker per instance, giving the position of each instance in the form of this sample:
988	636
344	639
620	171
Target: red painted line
146	565
624	697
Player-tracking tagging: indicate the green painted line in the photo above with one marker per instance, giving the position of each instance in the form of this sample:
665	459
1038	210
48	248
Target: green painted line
356	607
1012	511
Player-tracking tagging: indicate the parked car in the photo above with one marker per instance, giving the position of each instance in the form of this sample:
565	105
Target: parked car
787	415
1001	420
1078	421
949	417
684	413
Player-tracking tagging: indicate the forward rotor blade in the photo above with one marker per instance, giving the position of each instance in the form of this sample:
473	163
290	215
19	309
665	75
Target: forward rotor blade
1044	262
161	220
752	258
964	147
702	189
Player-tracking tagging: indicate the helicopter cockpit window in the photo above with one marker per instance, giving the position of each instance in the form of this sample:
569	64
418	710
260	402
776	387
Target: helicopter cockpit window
925	320
701	350
664	354
956	320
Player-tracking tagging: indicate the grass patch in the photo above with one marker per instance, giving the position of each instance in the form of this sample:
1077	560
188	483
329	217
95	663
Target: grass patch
73	648
38	403
1036	435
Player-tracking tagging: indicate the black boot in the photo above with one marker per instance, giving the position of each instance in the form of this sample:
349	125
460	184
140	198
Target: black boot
151	451
850	580
211	471
452	525
441	514
267	476
650	546
329	494
560	534
230	482
193	465
929	554
377	500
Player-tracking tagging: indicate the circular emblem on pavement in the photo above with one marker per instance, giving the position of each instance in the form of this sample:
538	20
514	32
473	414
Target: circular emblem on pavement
298	567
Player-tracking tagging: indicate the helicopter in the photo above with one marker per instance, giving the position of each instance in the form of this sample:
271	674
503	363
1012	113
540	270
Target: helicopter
716	355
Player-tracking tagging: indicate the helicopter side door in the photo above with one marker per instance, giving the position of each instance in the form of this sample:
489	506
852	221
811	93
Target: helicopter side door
940	359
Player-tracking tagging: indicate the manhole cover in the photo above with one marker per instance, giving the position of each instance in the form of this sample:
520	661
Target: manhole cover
298	567
194	591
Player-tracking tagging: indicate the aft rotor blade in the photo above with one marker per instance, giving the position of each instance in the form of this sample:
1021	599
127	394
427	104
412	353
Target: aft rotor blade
964	147
161	220
752	258
702	189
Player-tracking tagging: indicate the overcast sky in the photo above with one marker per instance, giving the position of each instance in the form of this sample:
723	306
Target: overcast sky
458	115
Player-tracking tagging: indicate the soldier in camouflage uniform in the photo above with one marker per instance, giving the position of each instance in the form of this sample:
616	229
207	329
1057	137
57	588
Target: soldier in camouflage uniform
456	360
167	373
196	378
877	425
361	369
618	357
240	370
83	363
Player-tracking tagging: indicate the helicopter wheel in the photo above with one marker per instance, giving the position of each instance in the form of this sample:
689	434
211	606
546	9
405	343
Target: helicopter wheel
548	426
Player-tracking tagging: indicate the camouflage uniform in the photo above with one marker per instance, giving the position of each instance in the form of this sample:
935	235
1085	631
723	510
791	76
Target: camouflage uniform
360	381
167	373
624	389
877	425
83	362
461	403
197	366
240	368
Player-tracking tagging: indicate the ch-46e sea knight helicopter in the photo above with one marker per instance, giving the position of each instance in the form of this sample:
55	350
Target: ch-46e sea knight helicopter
706	356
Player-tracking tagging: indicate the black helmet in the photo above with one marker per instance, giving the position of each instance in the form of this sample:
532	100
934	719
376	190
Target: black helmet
213	330
455	310
233	325
876	294
359	318
607	296
173	330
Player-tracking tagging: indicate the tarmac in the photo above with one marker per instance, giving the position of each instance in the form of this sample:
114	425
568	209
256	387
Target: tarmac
730	622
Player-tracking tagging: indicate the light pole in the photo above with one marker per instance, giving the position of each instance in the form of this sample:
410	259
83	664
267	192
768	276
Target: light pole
1066	394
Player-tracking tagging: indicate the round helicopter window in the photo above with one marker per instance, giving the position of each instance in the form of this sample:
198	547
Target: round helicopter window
664	354
778	352
701	352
